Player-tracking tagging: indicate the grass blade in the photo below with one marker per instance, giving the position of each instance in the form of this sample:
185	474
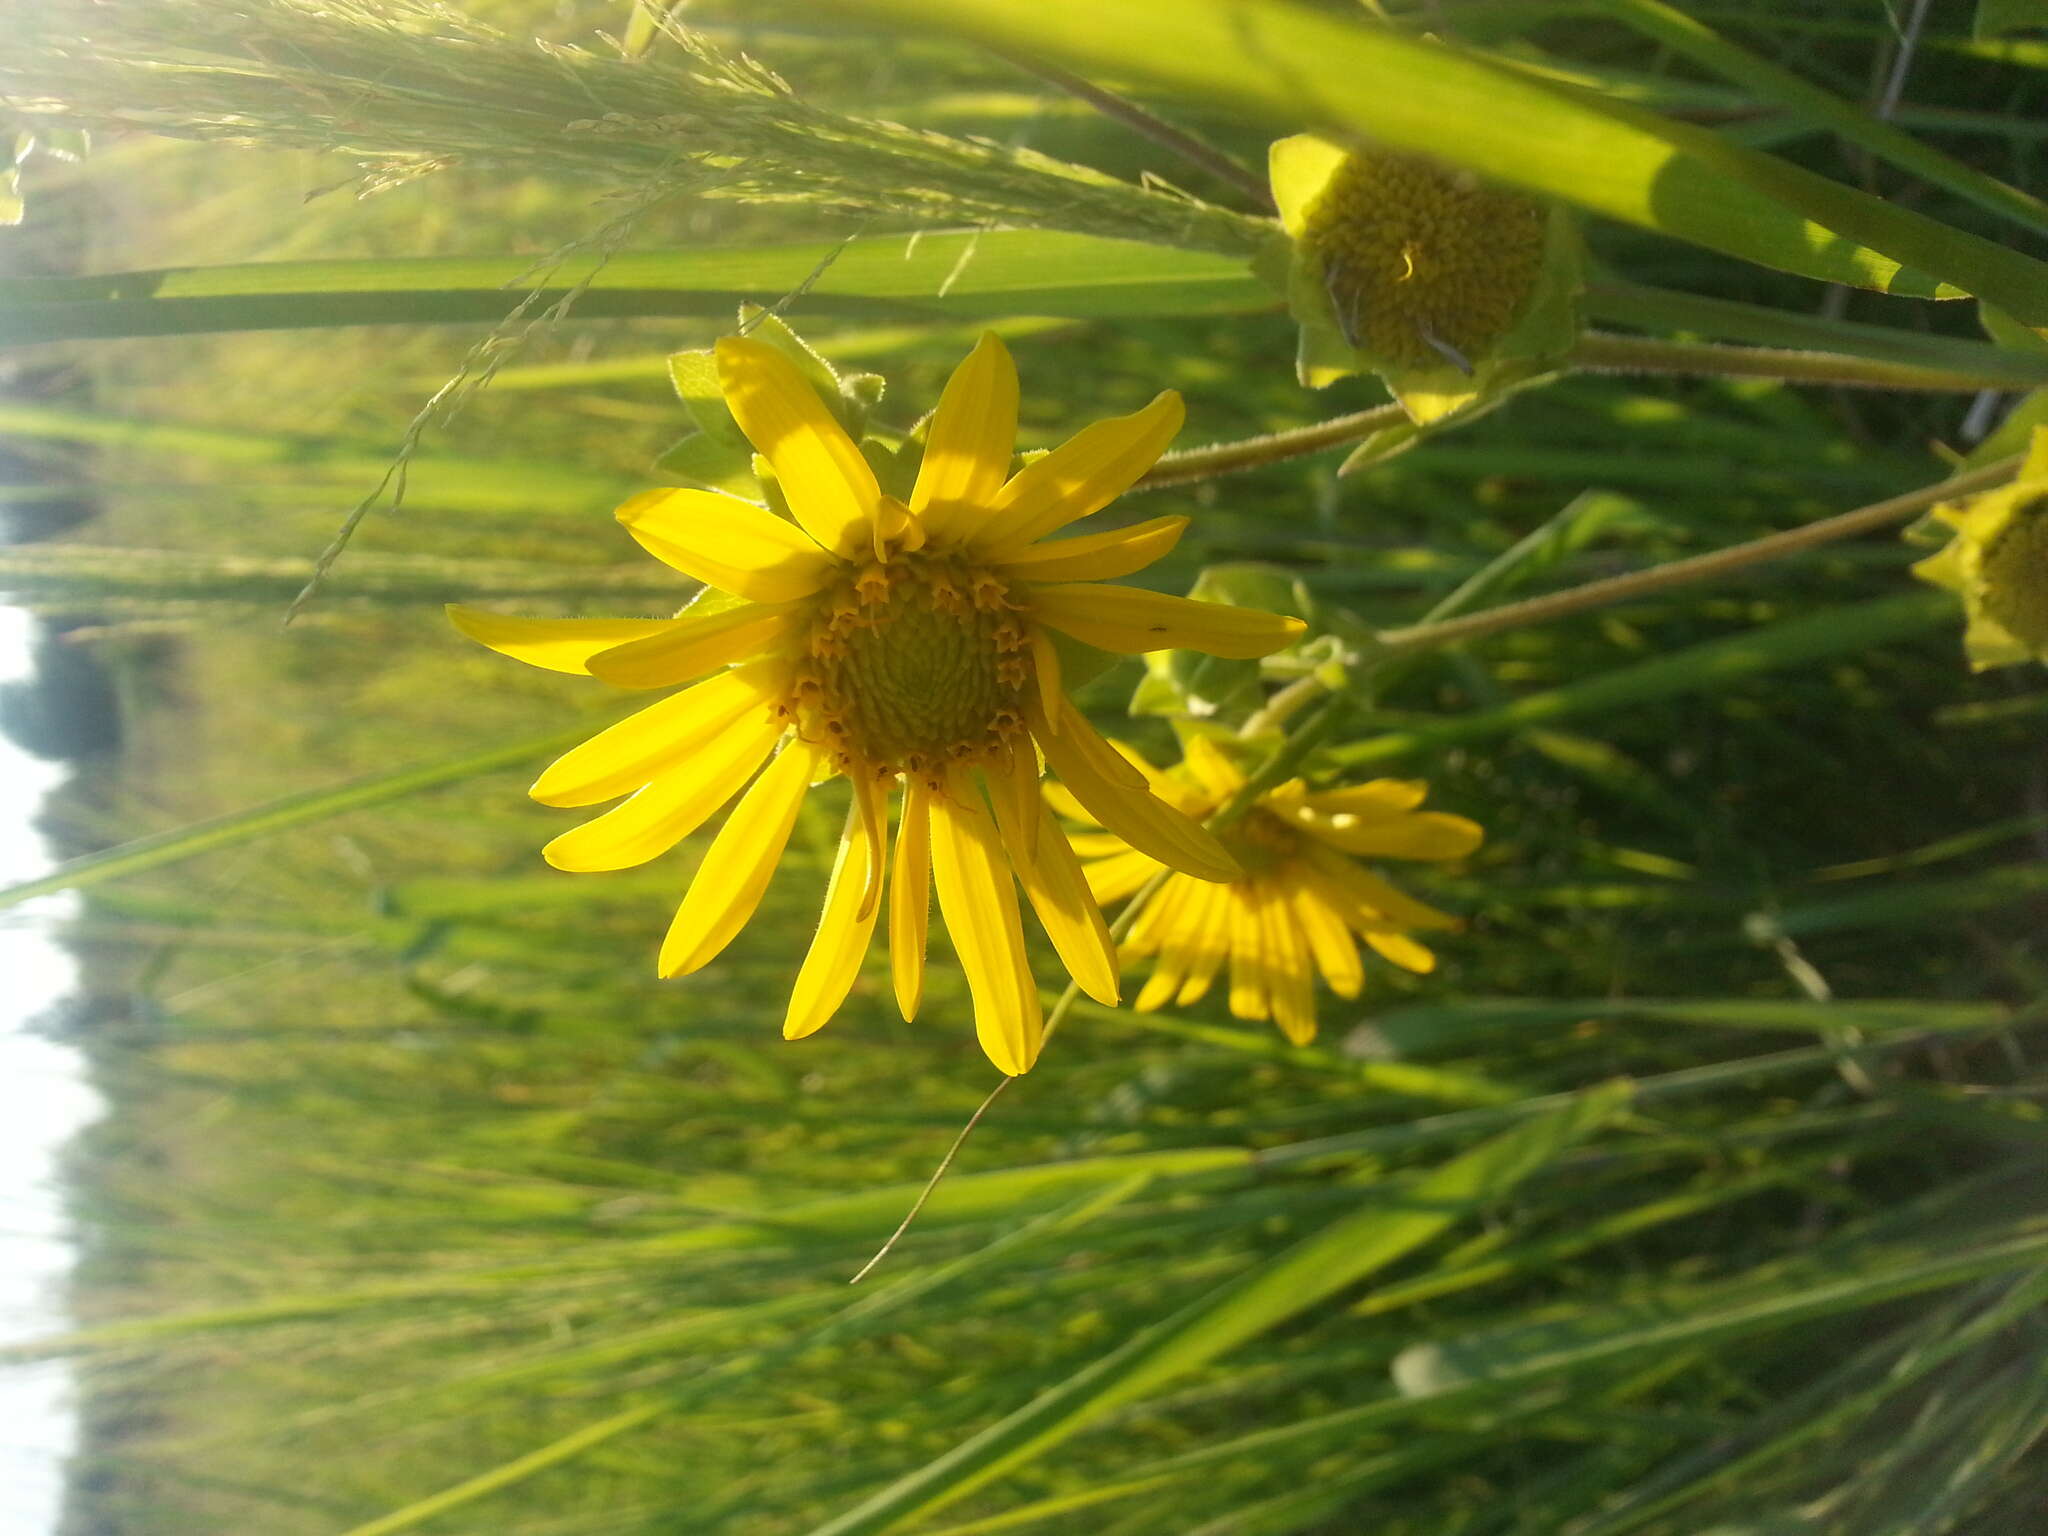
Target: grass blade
180	843
996	273
1291	66
1314	1268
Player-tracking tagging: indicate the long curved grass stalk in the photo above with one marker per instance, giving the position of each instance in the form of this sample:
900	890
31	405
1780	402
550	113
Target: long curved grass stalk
409	89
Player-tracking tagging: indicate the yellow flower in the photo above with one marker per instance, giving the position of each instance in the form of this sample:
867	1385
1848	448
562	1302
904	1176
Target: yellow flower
1397	265
1998	562
1301	898
886	641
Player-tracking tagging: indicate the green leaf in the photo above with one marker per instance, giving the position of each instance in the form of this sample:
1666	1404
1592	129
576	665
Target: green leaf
704	460
1389	1226
954	276
1292	67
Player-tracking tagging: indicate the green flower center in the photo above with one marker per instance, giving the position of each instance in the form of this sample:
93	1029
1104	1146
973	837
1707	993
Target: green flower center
1424	266
2013	570
1261	841
914	664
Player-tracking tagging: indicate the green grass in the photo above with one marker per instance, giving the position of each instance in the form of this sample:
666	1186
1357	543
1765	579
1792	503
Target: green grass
1697	1191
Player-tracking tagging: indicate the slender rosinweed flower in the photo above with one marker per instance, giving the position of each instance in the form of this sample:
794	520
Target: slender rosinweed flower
1395	264
1998	563
1302	901
890	642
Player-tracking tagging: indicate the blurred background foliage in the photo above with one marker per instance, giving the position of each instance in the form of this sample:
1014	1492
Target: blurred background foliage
421	1204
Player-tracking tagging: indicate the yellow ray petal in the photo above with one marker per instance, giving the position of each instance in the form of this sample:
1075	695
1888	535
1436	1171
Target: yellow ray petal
739	862
1363	897
1161	985
1102	782
1417	835
842	938
624	756
1329	941
1216	773
1045	673
978	900
1062	800
829	486
1083	475
871	805
1177	948
1374	798
1401	950
727	543
1094	845
910	897
1114	878
670	808
1052	878
972	438
1097	556
560	645
1247	958
1130	620
1290	986
1160	918
1212	944
690	647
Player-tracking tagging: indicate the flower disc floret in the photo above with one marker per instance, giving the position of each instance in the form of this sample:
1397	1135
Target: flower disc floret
915	664
1424	264
2015	573
1997	562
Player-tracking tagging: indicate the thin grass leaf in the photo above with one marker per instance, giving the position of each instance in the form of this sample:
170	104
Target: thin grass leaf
992	273
1711	665
180	843
1293	67
1534	1351
1824	109
1342	1253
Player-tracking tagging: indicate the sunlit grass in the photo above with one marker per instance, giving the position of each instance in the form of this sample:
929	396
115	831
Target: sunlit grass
426	1206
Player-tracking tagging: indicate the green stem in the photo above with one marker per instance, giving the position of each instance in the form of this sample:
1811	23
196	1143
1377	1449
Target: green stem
1604	352
1256	452
1615	589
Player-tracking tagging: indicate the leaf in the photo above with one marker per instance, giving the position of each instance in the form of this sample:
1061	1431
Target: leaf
1292	67
955	276
1387	1228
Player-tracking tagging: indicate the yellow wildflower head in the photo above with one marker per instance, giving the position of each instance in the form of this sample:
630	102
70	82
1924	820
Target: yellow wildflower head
891	642
1302	901
1417	271
1998	563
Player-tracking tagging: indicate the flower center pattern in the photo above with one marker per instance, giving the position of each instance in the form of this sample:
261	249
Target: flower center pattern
914	663
2014	572
1424	265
